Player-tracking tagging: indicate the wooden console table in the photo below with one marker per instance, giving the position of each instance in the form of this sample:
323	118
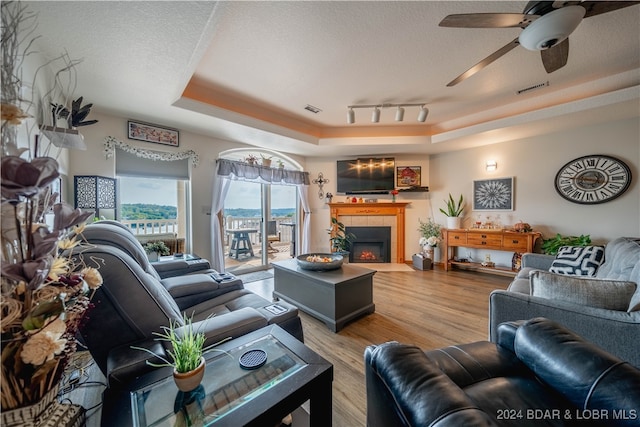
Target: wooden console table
495	240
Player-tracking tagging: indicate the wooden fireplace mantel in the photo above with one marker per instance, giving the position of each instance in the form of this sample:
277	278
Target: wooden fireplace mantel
380	209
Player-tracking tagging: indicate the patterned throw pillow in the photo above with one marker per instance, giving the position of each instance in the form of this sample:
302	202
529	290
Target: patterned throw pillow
578	260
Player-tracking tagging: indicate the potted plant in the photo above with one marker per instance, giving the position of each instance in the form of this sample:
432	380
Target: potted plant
551	246
187	348
454	212
155	249
340	239
430	237
266	160
280	164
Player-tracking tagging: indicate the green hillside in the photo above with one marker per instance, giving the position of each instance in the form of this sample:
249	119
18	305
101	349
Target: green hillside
146	211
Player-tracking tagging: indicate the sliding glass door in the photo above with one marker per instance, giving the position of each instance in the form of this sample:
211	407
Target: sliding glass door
258	225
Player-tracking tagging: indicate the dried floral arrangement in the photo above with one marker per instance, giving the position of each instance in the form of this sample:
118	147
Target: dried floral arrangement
46	286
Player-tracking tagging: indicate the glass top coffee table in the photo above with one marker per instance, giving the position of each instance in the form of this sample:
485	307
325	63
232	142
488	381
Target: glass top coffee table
230	395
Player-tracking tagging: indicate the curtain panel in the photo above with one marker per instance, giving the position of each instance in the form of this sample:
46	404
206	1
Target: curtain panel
230	170
240	170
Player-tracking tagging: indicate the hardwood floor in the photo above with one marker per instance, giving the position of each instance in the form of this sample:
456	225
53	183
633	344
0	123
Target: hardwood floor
429	309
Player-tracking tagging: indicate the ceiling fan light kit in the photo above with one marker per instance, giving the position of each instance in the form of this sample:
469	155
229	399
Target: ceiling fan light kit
552	28
375	115
546	27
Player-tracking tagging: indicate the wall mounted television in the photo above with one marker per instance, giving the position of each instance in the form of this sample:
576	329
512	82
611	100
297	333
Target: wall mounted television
366	176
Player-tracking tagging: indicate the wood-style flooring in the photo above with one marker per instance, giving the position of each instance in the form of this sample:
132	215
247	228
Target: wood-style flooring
430	309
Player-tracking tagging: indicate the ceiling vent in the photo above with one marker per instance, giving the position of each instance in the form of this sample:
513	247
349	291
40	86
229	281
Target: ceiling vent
314	110
530	88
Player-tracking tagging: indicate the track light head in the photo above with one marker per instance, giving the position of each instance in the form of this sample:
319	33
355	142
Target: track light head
399	114
351	116
422	115
375	116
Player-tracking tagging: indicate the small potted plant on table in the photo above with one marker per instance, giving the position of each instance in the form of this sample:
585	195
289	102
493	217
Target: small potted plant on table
155	249
454	212
187	348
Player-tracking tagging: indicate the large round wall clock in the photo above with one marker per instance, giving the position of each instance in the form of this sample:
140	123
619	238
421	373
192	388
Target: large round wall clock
593	179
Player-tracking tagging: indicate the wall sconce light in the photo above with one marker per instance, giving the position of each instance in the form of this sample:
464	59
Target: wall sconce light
375	115
491	165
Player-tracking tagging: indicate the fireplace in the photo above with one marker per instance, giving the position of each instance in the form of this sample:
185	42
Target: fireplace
371	244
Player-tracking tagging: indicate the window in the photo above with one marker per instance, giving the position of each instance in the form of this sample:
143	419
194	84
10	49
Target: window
154	205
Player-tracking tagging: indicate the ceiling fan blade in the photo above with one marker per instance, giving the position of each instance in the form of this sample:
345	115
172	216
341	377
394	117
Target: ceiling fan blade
599	7
487	20
486	61
555	57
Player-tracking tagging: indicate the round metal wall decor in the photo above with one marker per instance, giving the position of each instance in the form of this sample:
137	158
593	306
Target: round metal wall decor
593	179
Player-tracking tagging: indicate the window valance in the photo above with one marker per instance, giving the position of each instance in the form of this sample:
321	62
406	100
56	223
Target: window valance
111	143
248	172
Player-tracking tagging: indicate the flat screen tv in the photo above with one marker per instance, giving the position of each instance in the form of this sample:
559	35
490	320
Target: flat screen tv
366	176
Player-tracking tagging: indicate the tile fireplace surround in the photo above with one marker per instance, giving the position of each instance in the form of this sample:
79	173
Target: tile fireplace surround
372	215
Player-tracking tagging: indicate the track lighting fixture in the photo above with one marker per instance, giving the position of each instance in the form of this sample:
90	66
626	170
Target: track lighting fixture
375	115
399	114
422	115
351	116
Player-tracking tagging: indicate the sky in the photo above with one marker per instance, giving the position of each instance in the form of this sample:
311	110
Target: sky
164	192
247	195
148	191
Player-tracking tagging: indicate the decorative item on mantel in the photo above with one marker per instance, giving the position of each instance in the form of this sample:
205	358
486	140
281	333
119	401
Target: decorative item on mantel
393	193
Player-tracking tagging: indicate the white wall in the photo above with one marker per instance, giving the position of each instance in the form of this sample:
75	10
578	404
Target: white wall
534	163
93	162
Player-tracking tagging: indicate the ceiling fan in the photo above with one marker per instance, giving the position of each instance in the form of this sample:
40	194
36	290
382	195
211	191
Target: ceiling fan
546	27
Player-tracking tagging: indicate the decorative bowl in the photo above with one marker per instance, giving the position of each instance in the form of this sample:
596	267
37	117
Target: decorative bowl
306	262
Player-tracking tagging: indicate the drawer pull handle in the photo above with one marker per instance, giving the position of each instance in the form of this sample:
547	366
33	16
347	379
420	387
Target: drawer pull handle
456	237
515	241
484	243
484	236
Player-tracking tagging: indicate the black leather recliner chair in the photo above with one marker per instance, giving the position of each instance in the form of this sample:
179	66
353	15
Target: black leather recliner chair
538	373
134	302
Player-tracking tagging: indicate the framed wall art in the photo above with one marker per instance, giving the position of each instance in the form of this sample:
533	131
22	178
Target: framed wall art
495	194
152	133
408	176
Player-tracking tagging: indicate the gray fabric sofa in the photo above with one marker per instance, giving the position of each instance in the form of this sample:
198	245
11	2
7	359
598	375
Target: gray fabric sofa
604	309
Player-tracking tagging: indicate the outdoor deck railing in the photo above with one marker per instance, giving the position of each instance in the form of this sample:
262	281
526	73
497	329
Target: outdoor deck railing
146	227
151	226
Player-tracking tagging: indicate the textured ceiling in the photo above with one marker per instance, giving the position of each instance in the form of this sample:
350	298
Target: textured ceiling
244	71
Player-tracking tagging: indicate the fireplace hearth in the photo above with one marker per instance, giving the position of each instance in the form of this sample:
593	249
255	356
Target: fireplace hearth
372	244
